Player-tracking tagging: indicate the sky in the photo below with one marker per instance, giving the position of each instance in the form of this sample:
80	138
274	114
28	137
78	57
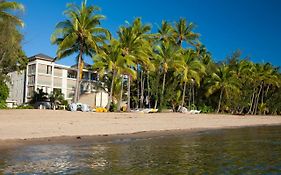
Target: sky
251	26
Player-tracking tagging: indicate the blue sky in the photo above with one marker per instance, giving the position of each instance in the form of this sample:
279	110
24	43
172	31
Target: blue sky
252	26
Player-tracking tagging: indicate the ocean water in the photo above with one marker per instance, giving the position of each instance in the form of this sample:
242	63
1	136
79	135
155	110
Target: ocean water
255	150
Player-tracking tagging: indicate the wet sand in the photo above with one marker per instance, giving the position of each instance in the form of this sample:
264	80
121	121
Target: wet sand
38	126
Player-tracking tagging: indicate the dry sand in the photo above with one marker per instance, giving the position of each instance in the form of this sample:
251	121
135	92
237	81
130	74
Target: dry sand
30	124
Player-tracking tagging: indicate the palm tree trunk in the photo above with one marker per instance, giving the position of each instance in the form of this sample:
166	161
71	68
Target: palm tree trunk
100	89
193	94
77	86
138	87
219	105
267	89
142	90
189	98
163	85
95	100
241	111
111	91
162	93
156	103
257	100
158	92
183	94
129	94
148	91
262	95
121	95
252	102
101	98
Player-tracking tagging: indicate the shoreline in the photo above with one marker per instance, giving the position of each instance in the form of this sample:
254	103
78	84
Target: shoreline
21	127
113	138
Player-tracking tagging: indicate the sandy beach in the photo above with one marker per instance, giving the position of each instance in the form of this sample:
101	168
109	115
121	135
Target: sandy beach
30	124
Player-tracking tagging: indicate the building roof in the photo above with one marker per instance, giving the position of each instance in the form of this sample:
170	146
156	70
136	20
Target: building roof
41	57
86	66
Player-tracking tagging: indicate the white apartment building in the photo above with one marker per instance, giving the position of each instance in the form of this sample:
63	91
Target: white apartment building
43	73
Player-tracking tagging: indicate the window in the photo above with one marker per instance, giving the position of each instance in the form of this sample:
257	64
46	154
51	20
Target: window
86	75
71	74
30	91
31	69
31	79
49	69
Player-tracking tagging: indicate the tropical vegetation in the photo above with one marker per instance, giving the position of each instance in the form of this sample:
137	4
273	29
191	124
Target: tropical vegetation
166	69
12	57
80	33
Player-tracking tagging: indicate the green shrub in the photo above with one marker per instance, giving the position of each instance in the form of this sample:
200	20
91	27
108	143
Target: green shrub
25	107
3	105
113	107
206	109
4	91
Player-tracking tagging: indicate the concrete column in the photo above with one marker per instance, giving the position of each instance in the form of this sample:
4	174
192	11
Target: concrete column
64	83
36	76
53	74
26	84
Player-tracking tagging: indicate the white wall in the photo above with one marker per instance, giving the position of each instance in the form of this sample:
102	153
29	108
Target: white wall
101	99
16	87
64	83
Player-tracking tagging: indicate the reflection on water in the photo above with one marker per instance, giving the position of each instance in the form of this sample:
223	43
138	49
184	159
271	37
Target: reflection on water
235	151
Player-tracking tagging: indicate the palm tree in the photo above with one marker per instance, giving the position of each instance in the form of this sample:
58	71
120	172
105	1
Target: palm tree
223	81
124	71
266	75
111	61
166	32
245	71
184	32
12	57
80	33
168	56
5	7
191	70
134	43
39	96
56	98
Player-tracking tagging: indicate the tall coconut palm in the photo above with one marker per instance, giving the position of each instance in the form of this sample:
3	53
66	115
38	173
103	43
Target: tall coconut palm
203	54
245	71
112	62
223	81
108	62
266	75
12	57
80	33
166	32
191	70
184	33
125	71
168	56
133	43
6	7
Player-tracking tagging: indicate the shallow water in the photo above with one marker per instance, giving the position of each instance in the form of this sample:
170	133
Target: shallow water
231	151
